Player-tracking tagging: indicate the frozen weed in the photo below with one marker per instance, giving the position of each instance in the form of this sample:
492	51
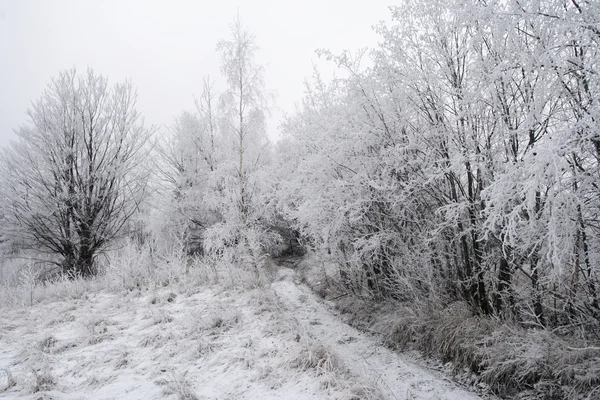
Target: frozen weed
179	386
503	356
47	344
43	380
161	317
194	322
68	288
170	298
123	360
10	380
97	330
223	321
92	381
28	278
315	357
202	349
128	268
581	365
153	339
200	272
357	392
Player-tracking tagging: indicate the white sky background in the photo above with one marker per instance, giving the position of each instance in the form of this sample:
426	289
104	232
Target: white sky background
166	47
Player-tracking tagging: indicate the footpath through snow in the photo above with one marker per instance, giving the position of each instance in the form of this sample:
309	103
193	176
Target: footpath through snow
392	374
197	339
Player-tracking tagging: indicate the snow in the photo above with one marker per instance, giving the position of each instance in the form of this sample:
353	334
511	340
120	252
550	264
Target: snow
211	342
392	373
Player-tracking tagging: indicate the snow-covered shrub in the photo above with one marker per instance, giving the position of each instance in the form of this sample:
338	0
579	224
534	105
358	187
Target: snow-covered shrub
133	266
128	267
454	171
508	358
317	358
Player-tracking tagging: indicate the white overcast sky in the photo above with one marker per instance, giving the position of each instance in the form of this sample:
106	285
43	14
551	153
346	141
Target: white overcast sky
166	47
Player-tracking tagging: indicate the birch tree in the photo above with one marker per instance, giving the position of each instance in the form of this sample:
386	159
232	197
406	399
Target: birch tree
238	195
245	106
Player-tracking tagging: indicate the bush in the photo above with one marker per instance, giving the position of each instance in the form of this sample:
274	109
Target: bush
535	363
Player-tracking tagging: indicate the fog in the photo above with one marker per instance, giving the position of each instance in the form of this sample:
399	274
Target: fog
166	48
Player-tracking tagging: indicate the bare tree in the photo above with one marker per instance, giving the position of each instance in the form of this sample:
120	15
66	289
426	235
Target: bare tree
74	177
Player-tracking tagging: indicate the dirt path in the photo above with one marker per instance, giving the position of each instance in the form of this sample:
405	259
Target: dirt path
395	376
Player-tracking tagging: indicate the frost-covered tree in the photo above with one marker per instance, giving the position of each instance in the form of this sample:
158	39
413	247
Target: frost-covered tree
244	105
213	163
540	204
74	177
246	149
183	176
462	163
187	161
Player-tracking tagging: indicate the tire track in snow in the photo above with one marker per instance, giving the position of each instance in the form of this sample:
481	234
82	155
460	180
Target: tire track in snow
362	355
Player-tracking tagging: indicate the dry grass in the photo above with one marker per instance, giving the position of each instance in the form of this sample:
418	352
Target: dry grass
210	317
43	380
317	358
509	359
133	269
179	386
47	344
10	381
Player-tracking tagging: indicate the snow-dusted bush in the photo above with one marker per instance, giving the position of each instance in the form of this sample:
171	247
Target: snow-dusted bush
504	356
458	165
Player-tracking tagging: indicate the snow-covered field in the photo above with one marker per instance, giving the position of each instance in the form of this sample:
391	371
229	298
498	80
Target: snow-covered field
275	342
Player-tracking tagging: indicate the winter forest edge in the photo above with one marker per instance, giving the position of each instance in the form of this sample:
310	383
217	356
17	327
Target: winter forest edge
442	190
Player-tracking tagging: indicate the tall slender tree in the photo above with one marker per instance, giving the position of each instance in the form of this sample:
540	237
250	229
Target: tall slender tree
245	106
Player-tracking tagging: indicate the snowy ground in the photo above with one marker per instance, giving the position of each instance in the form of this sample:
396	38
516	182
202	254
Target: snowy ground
278	342
395	376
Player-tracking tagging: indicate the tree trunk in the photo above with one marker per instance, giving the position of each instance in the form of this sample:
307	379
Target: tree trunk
538	308
85	257
503	288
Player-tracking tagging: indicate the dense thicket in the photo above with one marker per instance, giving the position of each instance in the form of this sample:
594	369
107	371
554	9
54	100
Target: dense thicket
462	162
214	164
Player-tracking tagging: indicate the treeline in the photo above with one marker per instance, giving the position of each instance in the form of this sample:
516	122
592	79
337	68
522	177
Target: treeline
85	174
462	162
